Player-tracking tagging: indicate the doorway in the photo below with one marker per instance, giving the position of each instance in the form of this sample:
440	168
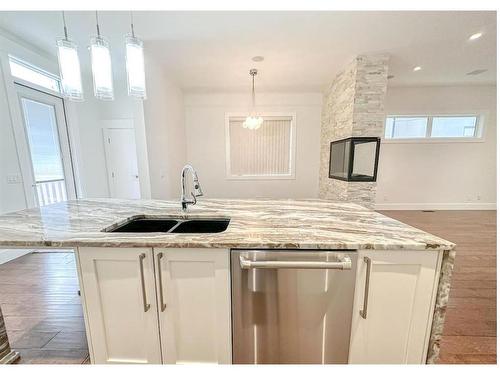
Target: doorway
46	141
121	162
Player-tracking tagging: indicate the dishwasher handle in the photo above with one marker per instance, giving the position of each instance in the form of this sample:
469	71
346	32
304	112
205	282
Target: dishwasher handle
344	264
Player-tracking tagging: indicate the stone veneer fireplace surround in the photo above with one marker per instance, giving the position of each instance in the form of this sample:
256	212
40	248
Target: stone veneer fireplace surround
353	106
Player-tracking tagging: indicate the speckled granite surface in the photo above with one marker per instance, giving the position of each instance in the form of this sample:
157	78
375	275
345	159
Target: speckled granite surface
304	224
442	296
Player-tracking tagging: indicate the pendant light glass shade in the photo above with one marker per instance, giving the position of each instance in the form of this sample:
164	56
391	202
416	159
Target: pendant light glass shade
69	66
136	77
102	72
253	121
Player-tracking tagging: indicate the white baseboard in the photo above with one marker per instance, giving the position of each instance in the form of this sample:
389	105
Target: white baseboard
8	255
435	206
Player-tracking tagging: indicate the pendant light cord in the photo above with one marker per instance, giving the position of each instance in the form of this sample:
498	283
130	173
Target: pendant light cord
253	73
97	24
253	91
65	28
132	24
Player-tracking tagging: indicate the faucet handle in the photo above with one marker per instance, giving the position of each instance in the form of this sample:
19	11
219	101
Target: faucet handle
197	189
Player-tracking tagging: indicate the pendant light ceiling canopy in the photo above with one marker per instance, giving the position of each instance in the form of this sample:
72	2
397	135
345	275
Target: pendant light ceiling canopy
253	121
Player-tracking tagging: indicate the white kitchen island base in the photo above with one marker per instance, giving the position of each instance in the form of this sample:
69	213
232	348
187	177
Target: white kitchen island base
145	305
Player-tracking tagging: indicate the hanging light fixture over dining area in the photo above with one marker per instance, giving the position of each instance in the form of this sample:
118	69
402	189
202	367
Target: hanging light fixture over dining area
253	120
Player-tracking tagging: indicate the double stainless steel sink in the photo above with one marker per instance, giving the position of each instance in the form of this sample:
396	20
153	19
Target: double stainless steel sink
144	224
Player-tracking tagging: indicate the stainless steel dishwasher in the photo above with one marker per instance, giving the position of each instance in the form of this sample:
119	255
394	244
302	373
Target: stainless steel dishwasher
292	306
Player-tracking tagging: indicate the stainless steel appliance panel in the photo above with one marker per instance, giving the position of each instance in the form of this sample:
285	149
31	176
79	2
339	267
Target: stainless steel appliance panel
292	306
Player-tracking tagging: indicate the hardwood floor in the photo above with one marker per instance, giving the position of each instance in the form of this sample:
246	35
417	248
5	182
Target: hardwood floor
42	309
44	320
470	328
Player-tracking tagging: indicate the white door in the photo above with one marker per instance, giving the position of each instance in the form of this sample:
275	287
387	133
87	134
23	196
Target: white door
121	163
118	289
193	289
400	297
46	141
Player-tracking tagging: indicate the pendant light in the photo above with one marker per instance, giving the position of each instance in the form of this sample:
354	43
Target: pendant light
253	121
69	66
136	77
102	72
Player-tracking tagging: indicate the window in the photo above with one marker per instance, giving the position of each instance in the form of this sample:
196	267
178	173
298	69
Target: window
454	126
33	74
429	127
265	153
405	127
43	138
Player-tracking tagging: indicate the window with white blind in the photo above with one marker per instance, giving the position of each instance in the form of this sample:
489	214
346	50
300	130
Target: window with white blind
264	153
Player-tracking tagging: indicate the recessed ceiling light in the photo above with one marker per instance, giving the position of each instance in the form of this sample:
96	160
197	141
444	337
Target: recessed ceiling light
258	58
475	36
417	68
476	72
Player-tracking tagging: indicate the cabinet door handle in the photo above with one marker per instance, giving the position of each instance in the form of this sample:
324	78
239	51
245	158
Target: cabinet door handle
163	306
368	262
143	284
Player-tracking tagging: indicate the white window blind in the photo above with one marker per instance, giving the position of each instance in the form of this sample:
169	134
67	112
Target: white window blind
263	153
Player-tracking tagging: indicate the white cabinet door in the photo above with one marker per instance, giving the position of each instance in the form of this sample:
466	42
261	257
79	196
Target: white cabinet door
195	319
117	286
401	296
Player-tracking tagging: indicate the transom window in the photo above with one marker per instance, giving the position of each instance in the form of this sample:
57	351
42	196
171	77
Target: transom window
446	126
264	153
30	73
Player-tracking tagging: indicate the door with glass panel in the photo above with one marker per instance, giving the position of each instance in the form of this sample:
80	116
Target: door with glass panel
48	146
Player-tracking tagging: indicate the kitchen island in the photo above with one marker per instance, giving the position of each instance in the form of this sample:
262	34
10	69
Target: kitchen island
413	266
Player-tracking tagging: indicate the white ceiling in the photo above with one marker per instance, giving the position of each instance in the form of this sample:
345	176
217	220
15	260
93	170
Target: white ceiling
303	50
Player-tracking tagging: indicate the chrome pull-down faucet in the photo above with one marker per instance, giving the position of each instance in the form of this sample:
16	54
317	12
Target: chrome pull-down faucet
196	187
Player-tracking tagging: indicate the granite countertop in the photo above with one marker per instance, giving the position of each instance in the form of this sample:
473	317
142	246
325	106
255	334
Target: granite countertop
260	223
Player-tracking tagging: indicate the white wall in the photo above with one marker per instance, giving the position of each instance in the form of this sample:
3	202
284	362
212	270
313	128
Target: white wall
439	175
90	114
205	131
12	194
165	132
93	163
12	191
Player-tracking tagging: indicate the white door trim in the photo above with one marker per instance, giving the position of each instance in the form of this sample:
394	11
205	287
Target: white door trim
62	130
19	133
